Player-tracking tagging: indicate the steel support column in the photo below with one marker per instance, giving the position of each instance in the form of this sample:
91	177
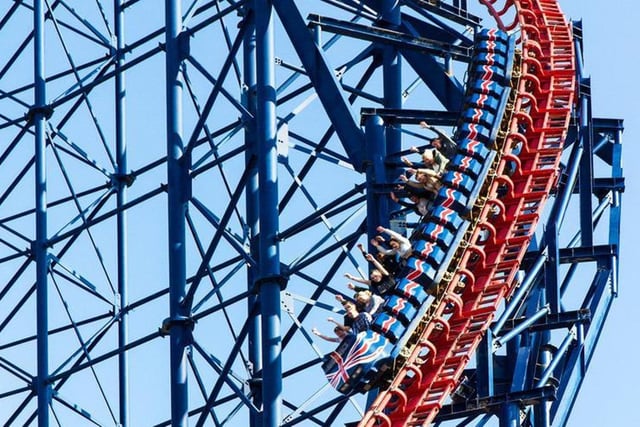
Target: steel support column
178	194
392	80
392	89
541	411
510	415
586	163
269	280
484	362
41	253
252	211
616	204
121	183
375	154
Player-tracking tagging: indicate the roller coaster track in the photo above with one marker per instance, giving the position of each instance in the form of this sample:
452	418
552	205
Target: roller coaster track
487	265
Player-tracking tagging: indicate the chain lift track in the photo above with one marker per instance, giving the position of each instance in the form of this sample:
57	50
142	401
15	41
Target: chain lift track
541	114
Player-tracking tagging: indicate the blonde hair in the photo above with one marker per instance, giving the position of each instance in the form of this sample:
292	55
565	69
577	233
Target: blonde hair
364	294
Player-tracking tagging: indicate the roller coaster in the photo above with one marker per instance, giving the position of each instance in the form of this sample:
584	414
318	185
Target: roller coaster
441	231
163	263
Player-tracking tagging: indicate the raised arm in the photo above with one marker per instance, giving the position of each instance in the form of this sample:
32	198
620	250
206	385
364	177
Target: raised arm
381	249
358	279
437	131
335	322
316	332
399	237
377	265
428	171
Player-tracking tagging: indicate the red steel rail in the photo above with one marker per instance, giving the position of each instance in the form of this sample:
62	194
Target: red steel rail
532	138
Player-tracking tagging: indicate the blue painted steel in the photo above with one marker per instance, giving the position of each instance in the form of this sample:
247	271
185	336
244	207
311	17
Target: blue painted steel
434	243
500	341
616	205
252	217
509	415
485	366
548	372
552	232
570	362
541	412
122	243
578	359
41	253
586	163
260	335
447	89
377	202
323	78
392	80
178	193
269	280
524	287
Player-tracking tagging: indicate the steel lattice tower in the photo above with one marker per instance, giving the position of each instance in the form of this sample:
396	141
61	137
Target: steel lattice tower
183	187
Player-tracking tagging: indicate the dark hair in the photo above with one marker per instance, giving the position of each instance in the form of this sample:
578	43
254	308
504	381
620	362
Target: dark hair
341	328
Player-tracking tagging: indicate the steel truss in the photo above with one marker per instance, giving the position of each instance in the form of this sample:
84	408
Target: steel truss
184	183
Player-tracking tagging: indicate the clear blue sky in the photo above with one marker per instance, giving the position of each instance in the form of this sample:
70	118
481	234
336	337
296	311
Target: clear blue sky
609	393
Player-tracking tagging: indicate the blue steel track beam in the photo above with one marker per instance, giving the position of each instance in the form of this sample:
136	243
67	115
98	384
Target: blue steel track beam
324	80
42	387
572	254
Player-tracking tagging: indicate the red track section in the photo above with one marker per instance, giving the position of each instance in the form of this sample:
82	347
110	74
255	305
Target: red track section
533	136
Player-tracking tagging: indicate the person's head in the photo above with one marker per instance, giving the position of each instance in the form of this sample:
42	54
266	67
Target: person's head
422	178
394	244
350	309
376	275
363	297
341	331
436	143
